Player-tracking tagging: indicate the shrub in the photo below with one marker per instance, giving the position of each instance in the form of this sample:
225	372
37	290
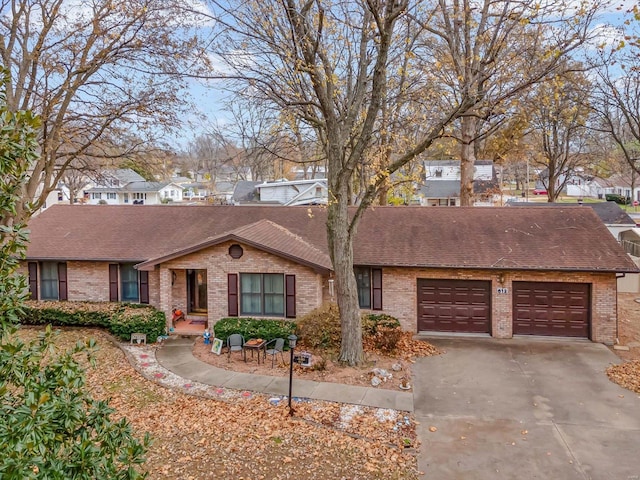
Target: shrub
372	322
50	426
386	339
619	199
320	328
382	331
265	328
121	319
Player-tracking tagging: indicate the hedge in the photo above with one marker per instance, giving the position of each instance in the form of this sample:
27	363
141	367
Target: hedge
264	328
121	319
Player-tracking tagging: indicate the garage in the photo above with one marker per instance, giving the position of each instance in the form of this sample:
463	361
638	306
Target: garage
457	306
551	309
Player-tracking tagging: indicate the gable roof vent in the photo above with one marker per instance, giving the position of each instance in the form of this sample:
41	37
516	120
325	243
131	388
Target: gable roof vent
236	251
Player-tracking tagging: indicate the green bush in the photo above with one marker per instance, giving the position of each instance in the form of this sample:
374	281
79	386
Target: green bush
265	328
50	426
121	319
619	199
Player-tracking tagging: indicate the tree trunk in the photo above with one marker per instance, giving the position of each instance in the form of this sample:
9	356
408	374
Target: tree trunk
467	161
340	239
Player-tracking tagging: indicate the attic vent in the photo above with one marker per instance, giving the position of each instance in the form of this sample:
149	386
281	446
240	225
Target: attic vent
235	251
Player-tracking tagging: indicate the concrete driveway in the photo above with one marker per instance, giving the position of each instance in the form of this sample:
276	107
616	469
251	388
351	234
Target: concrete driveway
525	409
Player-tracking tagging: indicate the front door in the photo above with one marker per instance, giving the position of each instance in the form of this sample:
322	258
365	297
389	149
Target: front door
197	290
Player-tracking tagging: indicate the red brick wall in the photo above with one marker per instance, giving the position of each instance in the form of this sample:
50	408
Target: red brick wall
399	287
218	263
89	281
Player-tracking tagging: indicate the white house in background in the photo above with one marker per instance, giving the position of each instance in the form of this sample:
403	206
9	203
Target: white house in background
126	187
581	185
294	192
450	170
316	172
441	186
625	185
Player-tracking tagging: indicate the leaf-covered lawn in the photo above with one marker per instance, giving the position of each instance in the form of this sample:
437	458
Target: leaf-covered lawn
201	438
626	375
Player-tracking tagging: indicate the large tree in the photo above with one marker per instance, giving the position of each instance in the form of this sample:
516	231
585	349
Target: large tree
104	76
327	64
50	427
559	115
616	97
494	51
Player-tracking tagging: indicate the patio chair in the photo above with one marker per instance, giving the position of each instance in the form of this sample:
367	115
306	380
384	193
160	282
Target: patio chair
235	343
278	347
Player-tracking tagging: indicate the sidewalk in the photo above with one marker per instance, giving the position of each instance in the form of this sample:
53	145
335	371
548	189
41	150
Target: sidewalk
176	356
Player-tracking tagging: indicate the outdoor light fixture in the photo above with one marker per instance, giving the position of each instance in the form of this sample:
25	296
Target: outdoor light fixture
292	345
501	278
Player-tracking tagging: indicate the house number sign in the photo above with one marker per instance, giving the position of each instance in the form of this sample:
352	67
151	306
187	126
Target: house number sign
503	290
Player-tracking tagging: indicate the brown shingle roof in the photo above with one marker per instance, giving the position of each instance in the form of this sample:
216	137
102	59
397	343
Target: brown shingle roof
537	238
265	235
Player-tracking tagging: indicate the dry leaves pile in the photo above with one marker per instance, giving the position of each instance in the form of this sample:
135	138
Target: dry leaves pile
202	438
626	375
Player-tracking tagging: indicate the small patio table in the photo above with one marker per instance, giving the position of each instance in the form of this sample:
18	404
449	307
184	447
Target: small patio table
252	344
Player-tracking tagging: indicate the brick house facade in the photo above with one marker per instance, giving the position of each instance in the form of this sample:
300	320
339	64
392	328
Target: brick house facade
275	258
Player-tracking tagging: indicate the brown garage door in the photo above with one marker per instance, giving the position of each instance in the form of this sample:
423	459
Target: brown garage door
454	306
557	309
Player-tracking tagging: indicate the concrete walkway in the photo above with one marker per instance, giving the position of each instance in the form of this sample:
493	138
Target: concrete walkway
176	356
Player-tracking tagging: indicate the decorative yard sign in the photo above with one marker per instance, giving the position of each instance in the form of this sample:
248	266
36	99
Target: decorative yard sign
302	358
503	290
216	347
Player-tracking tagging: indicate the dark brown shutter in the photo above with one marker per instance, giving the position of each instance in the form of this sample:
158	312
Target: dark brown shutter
62	281
290	295
113	282
144	286
232	294
376	288
33	279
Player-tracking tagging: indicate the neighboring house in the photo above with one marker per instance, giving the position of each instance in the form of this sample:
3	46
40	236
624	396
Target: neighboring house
625	185
126	187
317	172
581	185
281	192
195	191
222	193
294	192
493	271
441	186
61	194
245	193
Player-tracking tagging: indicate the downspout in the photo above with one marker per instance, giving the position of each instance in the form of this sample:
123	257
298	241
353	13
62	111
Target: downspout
618	275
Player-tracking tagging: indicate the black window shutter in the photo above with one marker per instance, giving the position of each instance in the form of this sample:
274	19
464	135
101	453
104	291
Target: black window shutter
376	288
62	281
33	279
113	282
290	294
144	286
232	294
